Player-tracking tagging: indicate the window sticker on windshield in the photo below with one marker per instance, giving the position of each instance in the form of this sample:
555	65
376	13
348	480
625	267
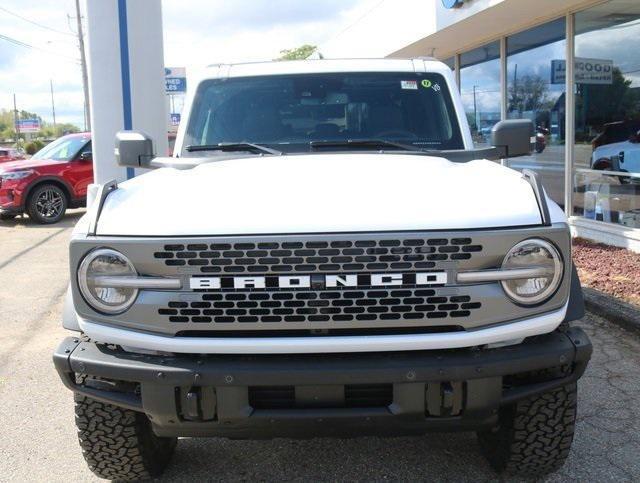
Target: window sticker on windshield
426	83
409	84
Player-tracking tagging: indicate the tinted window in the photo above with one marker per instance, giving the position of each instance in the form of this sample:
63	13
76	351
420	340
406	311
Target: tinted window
62	149
291	111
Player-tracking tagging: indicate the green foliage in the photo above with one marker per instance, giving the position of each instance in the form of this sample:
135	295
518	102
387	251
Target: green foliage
299	53
528	94
600	104
33	147
7	129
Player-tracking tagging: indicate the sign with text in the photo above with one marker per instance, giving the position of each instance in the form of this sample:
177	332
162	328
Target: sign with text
175	80
175	118
28	125
587	71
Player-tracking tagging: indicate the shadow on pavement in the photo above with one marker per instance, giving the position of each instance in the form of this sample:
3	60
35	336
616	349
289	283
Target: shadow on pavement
69	220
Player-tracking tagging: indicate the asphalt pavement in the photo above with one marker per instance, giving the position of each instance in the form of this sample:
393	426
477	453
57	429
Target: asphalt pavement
37	432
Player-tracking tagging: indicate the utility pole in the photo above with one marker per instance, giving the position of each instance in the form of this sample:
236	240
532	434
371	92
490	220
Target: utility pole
85	78
53	107
15	118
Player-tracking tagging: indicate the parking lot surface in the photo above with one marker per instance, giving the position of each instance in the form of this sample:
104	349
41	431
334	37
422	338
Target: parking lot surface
37	433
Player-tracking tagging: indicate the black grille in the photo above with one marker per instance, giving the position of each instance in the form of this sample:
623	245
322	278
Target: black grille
319	256
322	306
355	396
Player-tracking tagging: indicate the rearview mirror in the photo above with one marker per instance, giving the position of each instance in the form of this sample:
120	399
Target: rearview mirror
515	137
133	149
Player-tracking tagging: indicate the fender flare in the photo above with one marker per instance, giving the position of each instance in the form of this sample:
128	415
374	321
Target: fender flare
69	315
43	179
575	307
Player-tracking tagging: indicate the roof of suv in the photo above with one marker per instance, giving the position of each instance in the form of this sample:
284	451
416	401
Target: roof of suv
422	64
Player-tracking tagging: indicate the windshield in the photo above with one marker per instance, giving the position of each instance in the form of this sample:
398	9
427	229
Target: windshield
62	149
291	111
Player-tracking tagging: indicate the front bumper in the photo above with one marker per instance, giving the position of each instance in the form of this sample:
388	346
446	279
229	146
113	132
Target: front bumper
307	395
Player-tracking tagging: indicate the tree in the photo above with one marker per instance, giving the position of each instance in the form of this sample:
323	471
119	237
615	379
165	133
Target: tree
299	53
597	104
528	94
47	131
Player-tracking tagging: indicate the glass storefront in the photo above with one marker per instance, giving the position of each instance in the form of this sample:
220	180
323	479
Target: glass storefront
605	106
480	90
607	113
536	91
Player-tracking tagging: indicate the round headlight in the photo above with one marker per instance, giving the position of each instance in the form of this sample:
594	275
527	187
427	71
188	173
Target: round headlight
100	263
533	253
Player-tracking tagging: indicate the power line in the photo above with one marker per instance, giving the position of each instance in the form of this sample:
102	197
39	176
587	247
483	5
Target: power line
34	23
25	45
353	24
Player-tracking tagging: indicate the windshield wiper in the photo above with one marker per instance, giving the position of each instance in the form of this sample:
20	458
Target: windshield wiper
234	147
357	143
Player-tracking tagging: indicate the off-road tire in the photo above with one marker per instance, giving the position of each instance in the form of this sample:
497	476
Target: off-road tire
534	435
119	444
42	215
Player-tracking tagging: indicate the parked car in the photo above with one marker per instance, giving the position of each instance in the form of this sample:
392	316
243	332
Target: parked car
10	154
334	258
54	179
617	147
541	139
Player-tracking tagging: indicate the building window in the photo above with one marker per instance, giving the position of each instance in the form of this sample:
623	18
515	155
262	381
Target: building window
607	110
536	61
480	90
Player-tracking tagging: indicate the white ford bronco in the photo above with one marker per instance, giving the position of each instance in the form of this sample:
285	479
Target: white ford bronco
326	254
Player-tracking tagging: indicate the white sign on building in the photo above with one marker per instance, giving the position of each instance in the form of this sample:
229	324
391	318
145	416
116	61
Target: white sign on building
587	71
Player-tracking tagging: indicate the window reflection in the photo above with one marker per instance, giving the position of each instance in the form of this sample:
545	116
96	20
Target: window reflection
480	90
607	143
536	91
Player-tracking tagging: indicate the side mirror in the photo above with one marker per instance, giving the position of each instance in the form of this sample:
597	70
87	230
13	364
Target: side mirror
515	137
134	149
86	156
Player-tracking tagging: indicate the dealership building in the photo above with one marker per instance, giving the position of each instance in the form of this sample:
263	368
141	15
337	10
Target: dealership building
571	66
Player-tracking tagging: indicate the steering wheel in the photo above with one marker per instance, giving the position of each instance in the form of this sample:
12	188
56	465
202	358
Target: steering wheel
396	133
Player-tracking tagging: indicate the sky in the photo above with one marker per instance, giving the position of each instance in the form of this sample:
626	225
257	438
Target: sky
196	33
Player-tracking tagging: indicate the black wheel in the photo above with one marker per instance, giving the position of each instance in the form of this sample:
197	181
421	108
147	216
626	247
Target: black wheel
6	216
534	436
119	444
47	204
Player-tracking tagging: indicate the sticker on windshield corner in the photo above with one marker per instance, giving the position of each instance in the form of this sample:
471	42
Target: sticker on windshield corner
426	83
409	84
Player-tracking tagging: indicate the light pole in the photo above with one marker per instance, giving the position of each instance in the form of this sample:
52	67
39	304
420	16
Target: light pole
53	107
83	63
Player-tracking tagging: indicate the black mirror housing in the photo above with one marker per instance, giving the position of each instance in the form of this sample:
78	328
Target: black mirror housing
134	149
514	137
86	156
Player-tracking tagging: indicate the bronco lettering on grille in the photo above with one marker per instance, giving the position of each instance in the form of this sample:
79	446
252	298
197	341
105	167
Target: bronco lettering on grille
319	282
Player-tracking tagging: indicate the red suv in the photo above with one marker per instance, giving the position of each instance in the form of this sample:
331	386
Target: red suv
54	179
10	154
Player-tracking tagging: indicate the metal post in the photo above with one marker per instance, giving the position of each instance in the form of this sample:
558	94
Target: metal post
570	125
503	78
53	107
83	63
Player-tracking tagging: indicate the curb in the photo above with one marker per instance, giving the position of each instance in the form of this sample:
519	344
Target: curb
614	310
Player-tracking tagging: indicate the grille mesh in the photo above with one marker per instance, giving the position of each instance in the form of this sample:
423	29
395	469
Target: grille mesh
325	306
319	256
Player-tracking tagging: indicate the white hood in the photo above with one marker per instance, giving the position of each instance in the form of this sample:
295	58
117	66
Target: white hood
319	194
